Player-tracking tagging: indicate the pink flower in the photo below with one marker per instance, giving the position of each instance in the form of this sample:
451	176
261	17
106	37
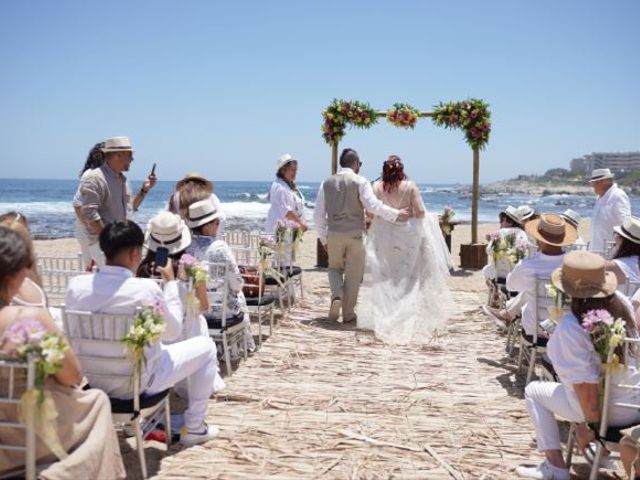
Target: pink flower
25	331
593	318
187	261
158	307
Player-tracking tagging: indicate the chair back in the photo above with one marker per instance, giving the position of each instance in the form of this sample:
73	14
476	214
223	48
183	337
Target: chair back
542	301
217	290
577	246
56	273
11	370
96	340
630	287
609	249
248	260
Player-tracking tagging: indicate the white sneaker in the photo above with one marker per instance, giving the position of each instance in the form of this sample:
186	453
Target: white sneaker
207	433
544	471
334	310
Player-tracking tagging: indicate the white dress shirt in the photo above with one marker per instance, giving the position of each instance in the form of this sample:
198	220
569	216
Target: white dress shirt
283	200
610	210
630	268
523	279
114	290
369	200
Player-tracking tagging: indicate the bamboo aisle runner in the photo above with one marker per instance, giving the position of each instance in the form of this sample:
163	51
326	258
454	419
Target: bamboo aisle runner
320	401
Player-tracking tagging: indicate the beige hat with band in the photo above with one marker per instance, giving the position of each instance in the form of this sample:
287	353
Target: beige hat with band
582	275
552	229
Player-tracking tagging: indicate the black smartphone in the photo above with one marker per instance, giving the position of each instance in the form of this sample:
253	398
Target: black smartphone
153	170
162	254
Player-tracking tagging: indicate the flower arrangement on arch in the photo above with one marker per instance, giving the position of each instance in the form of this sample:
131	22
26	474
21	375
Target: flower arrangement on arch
27	339
403	115
148	326
605	332
342	112
472	116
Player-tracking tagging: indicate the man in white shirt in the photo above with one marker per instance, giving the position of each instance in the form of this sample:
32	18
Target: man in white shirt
340	221
552	233
612	208
115	290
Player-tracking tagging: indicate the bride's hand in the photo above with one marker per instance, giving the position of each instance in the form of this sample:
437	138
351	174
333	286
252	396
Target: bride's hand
404	215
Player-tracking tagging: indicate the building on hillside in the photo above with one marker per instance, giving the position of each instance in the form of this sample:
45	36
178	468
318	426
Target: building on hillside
617	162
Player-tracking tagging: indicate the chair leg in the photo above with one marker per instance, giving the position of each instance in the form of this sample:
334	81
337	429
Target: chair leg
596	462
301	289
532	364
509	337
520	353
259	326
227	353
167	420
140	447
245	343
271	321
570	441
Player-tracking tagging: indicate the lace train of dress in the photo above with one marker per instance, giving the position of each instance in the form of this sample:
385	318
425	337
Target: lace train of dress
405	296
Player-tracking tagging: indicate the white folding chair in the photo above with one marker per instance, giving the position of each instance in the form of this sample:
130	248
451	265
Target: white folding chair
609	249
56	273
142	412
531	348
630	287
258	302
610	435
223	328
12	371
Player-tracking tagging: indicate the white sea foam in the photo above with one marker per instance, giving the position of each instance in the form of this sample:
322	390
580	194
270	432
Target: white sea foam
252	210
37	208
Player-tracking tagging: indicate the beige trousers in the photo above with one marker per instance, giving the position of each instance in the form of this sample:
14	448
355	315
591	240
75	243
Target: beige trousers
346	268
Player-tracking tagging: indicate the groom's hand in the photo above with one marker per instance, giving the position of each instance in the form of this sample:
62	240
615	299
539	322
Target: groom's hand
404	215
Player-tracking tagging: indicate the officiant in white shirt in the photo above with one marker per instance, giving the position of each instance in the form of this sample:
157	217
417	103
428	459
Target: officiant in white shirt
612	208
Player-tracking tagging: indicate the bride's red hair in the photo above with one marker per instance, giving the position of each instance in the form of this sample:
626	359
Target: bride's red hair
392	173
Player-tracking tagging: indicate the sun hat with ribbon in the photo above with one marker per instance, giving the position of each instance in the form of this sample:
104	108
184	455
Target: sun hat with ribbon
583	275
572	217
201	213
525	212
167	230
630	229
117	144
283	160
552	229
600	174
512	213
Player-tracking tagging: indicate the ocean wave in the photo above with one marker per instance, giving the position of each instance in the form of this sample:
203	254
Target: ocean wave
37	208
252	210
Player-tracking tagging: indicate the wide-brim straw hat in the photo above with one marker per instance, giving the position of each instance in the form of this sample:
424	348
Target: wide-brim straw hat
512	213
117	144
552	229
572	217
283	160
630	229
583	275
600	174
167	230
194	176
201	213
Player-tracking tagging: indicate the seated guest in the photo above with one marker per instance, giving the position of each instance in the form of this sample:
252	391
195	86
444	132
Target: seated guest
84	424
204	221
627	252
114	290
190	189
576	362
573	217
551	233
510	224
30	293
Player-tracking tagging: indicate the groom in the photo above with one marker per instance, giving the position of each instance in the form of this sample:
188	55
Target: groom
340	221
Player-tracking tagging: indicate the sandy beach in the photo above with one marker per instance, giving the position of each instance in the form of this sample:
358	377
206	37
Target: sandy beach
322	400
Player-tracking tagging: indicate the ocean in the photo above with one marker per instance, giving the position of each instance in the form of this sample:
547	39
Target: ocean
47	203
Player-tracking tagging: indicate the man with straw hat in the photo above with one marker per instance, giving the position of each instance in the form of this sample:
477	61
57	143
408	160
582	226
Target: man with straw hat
612	208
551	234
583	278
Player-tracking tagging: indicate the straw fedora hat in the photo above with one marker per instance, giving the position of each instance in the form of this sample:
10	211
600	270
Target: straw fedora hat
283	160
168	230
552	230
201	213
630	229
572	217
582	275
512	213
600	174
194	176
117	144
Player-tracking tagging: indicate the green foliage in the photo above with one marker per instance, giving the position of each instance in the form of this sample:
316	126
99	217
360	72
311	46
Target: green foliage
472	116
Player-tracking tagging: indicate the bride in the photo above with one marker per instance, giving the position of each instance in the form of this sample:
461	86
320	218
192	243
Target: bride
408	265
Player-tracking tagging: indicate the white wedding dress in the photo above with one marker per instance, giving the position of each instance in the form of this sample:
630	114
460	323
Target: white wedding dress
405	296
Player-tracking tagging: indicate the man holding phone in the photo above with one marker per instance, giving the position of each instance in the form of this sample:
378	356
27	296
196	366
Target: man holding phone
106	193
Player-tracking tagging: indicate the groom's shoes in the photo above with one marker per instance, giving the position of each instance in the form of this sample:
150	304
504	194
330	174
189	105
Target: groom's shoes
334	310
349	319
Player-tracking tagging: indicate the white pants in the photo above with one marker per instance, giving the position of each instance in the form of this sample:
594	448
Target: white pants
88	249
194	358
544	401
514	305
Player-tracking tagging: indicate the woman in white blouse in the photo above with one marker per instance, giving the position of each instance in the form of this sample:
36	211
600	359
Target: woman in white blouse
287	202
624	263
578	365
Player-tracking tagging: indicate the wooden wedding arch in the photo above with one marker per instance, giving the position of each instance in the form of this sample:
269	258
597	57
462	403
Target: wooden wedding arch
472	116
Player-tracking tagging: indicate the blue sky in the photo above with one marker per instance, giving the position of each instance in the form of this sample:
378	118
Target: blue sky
226	87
